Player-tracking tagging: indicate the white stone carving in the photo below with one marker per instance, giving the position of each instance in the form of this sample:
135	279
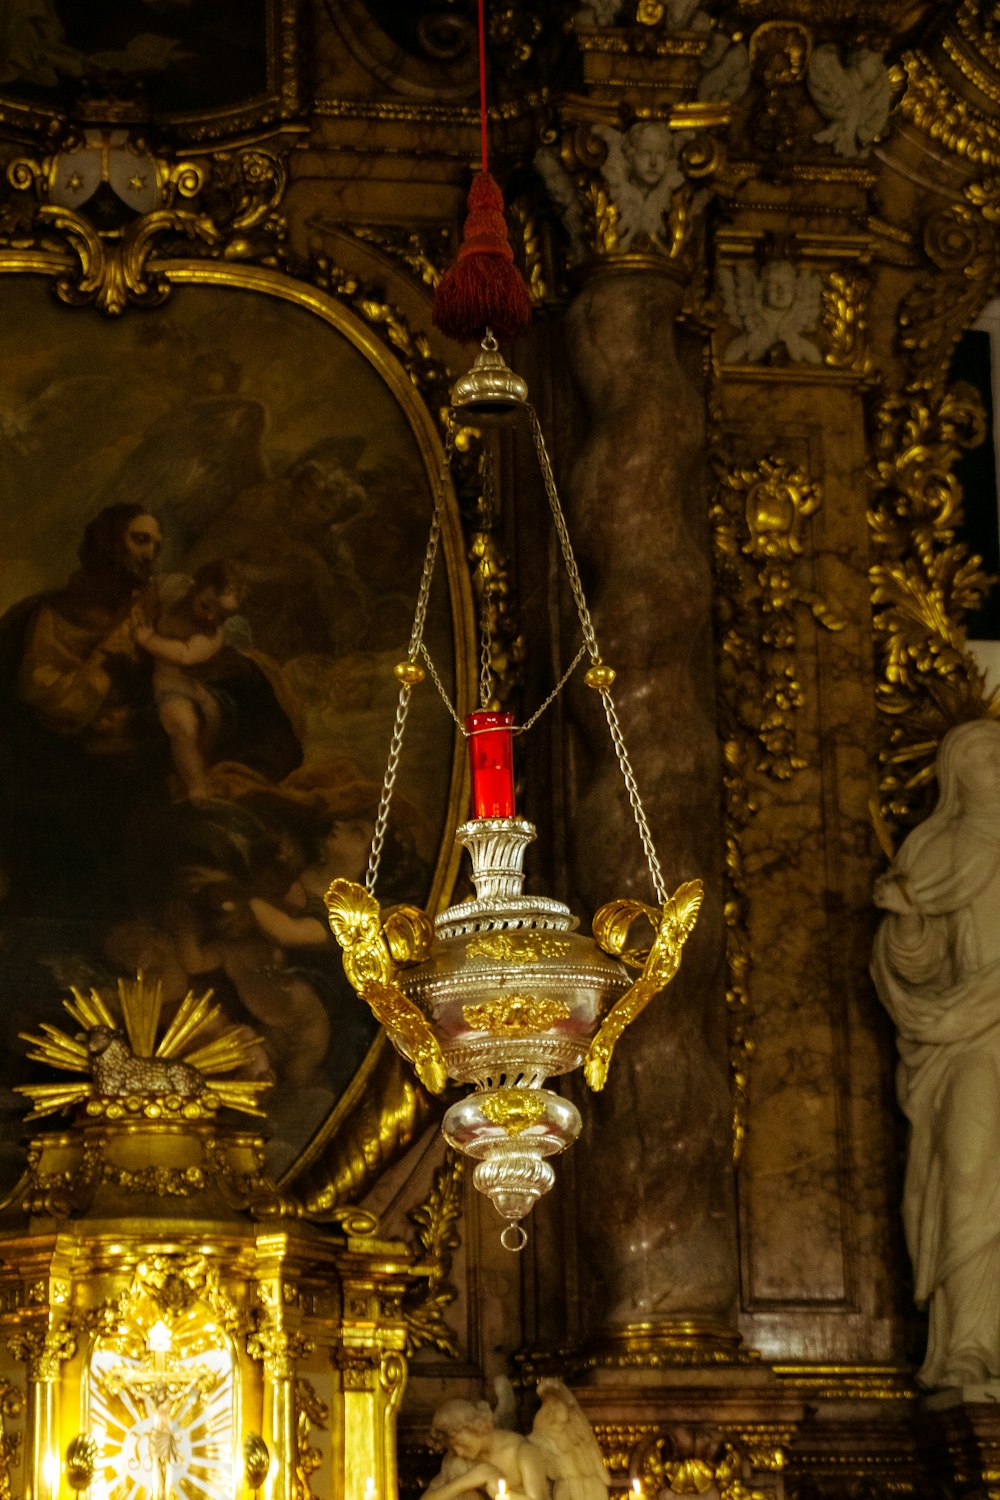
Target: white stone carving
855	99
936	967
559	1460
641	172
598	13
725	70
561	190
776	305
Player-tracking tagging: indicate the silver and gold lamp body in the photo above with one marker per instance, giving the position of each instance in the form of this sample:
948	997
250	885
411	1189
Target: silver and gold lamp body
501	992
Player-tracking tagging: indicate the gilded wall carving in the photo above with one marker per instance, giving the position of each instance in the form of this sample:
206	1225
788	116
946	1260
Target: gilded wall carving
923	582
758	522
437	1237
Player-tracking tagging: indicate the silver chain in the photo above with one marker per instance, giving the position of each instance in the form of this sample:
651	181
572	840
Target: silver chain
578	658
590	645
436	679
413	651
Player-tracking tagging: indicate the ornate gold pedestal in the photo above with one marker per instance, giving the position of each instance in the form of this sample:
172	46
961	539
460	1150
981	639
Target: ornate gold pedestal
170	1328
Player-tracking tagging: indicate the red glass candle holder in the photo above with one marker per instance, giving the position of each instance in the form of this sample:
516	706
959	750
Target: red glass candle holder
491	759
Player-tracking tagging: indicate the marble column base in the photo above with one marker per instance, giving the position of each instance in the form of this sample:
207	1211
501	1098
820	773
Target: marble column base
667	1343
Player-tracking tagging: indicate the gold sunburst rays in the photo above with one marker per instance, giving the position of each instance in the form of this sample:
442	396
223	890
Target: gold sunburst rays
193	1036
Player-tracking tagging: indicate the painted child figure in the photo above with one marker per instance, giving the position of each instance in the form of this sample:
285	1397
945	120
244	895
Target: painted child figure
189	632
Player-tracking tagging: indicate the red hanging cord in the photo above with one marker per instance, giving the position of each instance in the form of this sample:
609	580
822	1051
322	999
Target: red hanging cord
482	80
483	289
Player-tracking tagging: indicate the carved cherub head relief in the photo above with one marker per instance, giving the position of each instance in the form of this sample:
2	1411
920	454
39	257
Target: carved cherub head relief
648	151
778	284
775	308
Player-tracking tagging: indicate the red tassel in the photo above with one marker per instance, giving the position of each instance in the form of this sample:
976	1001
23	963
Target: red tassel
484	289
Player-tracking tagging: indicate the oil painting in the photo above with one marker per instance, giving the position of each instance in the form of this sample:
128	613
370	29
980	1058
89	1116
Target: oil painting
213	517
181	56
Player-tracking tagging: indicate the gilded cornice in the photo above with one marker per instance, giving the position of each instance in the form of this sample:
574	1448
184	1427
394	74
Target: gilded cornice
425	111
937	111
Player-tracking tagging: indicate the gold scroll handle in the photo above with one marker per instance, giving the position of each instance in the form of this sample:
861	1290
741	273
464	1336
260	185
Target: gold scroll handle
612	926
371	949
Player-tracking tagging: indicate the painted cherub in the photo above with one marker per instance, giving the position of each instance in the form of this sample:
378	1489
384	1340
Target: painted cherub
559	1460
775	306
188	632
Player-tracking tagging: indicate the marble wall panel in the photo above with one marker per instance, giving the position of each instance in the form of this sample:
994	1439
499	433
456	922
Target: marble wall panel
817	1182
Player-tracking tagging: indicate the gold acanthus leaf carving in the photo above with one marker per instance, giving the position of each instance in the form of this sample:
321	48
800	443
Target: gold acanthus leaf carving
600	217
310	1412
43	1349
356	923
405	246
515	1015
923	582
844	300
757	521
437	1239
960	241
611	928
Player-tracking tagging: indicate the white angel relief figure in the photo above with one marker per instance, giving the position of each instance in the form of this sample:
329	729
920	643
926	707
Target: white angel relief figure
776	306
598	13
642	174
854	99
558	1460
563	194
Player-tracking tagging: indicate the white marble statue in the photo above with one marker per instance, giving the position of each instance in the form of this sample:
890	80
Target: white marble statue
854	99
558	1460
936	967
776	305
641	172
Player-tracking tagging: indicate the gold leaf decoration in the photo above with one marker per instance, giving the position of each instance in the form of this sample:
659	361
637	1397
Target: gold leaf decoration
923	582
437	1239
135	1015
758	519
673	927
515	1015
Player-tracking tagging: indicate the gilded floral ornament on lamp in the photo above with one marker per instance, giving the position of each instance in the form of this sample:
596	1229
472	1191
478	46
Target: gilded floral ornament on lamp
500	991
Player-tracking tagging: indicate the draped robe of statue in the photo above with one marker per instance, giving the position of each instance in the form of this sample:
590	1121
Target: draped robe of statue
937	970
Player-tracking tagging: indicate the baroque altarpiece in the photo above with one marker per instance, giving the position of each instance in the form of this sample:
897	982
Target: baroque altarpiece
754	233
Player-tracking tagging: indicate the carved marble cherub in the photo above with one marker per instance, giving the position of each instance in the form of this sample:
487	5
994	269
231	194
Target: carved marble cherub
774	306
558	1460
855	99
642	173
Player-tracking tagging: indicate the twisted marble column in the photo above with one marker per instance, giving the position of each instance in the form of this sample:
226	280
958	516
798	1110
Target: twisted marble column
656	1210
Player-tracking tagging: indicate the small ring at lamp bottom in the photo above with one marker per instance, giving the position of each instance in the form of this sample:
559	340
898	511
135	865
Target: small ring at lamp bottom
514	1237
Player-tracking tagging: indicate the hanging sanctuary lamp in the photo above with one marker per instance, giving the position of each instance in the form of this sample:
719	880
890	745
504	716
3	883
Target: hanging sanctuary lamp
501	991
